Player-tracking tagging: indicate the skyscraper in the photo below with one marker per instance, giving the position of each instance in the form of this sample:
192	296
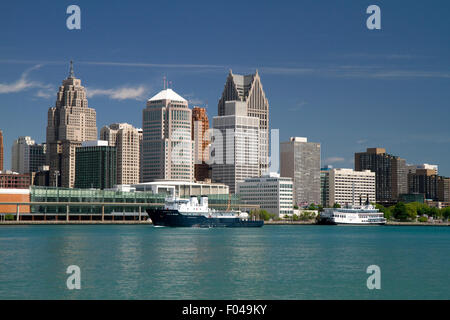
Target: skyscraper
126	139
235	146
95	165
249	89
1	150
26	155
300	160
200	126
168	149
70	122
390	173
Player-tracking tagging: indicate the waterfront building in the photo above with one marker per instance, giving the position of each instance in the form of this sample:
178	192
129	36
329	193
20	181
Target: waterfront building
13	195
1	150
444	189
70	122
200	136
14	180
95	165
349	187
127	140
424	181
249	89
235	145
325	185
26	155
391	173
300	160
182	188
271	192
168	149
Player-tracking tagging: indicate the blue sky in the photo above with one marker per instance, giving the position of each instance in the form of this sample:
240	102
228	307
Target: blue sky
327	77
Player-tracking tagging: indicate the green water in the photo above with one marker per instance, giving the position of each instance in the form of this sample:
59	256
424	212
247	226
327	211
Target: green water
274	262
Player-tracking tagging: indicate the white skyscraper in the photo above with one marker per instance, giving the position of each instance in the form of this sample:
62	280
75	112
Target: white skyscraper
26	155
168	149
235	145
126	139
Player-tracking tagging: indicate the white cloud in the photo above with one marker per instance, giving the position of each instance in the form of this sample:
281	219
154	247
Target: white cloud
122	93
23	83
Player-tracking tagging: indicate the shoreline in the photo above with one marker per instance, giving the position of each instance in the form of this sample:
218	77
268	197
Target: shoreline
269	223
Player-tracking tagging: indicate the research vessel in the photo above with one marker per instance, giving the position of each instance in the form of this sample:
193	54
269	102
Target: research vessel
192	213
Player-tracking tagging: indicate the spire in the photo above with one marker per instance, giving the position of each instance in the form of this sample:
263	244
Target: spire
71	75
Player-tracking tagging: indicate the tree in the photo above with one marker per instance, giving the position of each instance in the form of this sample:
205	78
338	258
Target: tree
403	212
295	217
336	205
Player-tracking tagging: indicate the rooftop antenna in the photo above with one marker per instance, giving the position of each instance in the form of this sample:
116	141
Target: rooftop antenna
170	85
164	80
71	74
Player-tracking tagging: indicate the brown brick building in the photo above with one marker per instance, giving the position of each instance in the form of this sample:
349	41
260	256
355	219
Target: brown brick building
1	150
15	181
200	127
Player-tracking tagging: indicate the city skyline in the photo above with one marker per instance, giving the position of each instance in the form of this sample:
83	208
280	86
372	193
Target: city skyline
383	84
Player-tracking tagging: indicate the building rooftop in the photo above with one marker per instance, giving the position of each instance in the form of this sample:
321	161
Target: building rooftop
167	94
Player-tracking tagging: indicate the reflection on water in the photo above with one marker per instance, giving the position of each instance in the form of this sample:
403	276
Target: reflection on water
274	262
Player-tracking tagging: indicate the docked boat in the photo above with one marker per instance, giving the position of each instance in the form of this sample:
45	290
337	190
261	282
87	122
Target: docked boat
191	213
365	214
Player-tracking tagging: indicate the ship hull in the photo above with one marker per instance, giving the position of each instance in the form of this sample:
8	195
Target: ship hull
172	218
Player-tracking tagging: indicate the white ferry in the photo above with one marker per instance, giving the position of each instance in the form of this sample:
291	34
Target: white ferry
353	215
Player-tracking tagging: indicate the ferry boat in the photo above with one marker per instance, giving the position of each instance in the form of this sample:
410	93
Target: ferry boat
365	214
190	213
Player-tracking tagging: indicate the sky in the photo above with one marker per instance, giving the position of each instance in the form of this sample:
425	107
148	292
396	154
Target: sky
326	75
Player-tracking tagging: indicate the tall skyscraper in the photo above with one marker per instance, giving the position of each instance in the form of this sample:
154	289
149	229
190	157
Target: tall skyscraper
70	122
127	140
168	149
95	165
200	126
1	150
235	146
300	160
391	173
248	88
26	155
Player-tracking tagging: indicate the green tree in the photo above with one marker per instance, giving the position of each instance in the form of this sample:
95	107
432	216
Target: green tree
336	205
295	217
403	212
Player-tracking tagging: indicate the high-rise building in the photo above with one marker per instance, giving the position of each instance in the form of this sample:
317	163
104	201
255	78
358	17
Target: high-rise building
325	185
168	149
424	181
70	122
200	136
411	168
95	165
26	155
300	160
235	145
444	189
348	187
391	173
127	140
1	150
271	192
249	89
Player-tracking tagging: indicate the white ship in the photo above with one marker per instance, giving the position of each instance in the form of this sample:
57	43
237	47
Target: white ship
353	215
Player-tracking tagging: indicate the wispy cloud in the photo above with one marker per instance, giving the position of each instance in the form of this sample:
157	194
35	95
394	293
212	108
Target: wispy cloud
334	159
23	83
361	141
298	106
122	93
